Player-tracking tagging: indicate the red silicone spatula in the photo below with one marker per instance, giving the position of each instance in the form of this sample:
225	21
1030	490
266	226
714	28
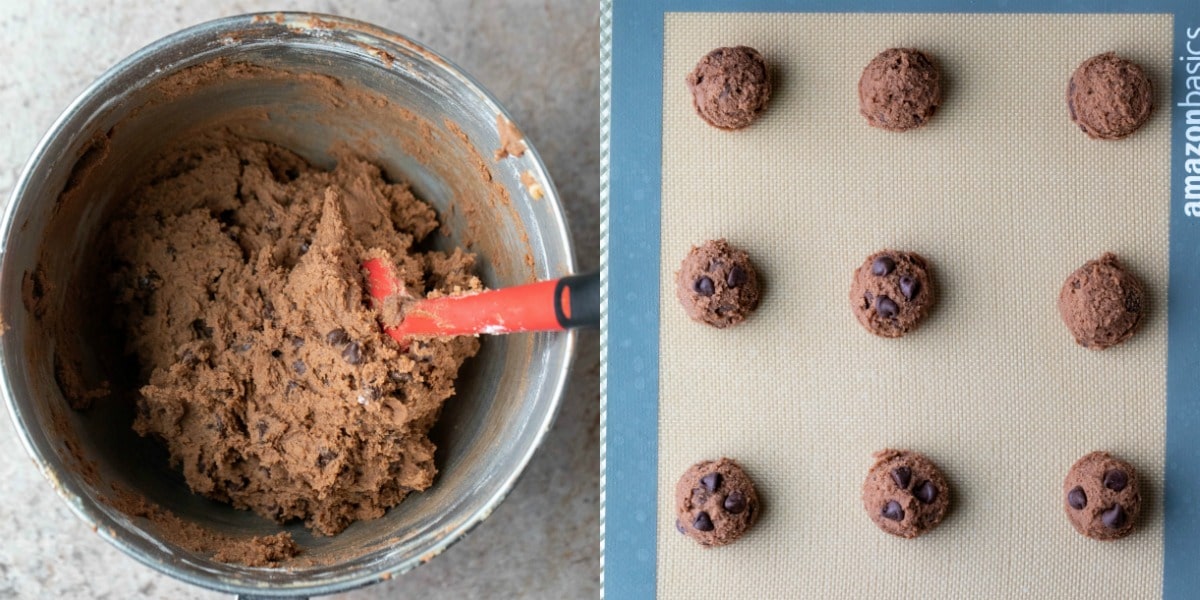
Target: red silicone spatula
554	305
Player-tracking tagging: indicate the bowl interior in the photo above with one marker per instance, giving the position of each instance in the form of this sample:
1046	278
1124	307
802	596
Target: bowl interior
308	84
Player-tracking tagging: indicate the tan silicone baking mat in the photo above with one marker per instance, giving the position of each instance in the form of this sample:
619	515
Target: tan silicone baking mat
1006	197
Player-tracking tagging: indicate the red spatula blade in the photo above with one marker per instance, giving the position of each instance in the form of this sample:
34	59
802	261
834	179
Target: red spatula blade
508	310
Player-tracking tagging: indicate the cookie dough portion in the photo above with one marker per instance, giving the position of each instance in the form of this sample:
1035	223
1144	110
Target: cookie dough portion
1109	97
892	292
262	551
239	294
730	87
1101	303
715	502
899	89
905	493
717	284
1102	496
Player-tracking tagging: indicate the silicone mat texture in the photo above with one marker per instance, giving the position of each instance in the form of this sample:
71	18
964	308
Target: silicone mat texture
1005	197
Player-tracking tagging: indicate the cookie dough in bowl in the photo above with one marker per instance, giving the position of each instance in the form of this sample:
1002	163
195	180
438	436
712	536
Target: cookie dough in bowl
238	292
199	371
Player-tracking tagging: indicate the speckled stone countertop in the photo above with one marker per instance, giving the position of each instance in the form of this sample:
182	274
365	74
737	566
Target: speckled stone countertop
541	59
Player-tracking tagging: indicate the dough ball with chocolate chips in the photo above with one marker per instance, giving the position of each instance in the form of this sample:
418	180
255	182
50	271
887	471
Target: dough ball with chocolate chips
892	292
905	493
730	87
1102	303
715	502
717	284
1109	97
899	89
1101	496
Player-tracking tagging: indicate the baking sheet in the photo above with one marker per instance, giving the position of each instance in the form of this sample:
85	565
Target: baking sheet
1006	197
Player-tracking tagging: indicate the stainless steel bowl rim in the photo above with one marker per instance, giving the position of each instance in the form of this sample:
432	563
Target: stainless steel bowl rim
220	29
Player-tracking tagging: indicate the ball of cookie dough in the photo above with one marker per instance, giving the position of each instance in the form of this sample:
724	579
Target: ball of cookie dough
715	502
1102	303
892	292
905	493
1109	97
717	284
1102	497
900	89
730	87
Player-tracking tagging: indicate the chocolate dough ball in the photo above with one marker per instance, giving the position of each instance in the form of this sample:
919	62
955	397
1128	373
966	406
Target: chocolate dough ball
717	284
1102	303
730	87
892	292
1109	97
905	493
900	89
715	502
1102	496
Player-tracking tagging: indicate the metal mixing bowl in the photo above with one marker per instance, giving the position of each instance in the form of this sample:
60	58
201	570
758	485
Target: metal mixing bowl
507	395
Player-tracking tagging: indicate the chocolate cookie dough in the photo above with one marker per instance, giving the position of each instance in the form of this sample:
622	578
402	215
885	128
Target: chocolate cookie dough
899	89
892	292
1102	497
240	296
715	502
717	284
1102	303
1109	97
730	87
905	494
